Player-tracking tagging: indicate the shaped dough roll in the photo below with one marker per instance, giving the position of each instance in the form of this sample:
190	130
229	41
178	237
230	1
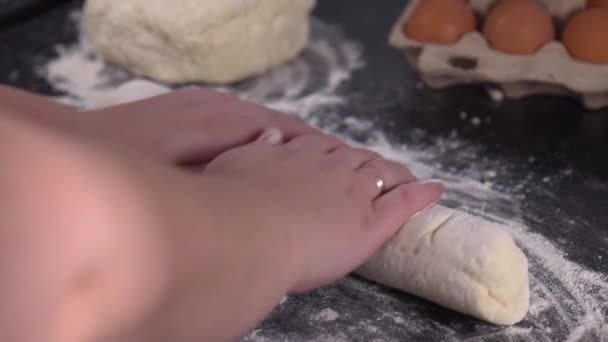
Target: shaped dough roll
459	261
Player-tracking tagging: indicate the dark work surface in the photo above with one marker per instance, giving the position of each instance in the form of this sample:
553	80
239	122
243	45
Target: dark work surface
557	133
13	12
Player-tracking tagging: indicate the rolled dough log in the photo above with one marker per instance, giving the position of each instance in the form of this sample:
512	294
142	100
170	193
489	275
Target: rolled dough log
216	41
459	261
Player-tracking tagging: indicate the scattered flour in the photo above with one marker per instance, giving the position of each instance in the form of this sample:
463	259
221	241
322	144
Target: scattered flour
13	75
579	331
326	315
253	336
496	95
567	298
369	327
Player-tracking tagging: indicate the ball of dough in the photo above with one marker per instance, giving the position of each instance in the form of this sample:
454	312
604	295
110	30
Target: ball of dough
183	41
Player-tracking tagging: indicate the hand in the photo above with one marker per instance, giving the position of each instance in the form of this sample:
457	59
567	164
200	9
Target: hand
320	199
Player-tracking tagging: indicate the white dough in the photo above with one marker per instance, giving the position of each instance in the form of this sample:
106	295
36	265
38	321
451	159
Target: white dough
459	261
179	41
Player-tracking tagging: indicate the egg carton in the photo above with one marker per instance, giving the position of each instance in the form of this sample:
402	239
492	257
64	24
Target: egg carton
471	60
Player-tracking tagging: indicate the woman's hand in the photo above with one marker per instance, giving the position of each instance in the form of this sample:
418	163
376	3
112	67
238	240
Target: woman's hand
221	246
320	198
266	220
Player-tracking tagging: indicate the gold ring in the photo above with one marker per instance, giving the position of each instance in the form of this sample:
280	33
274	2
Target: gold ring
380	184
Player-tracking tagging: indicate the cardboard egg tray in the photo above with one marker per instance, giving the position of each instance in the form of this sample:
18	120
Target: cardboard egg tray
551	70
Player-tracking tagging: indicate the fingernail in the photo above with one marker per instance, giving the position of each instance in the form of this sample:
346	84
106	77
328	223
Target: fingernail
272	136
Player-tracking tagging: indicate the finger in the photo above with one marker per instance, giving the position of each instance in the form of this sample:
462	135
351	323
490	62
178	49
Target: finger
291	127
354	157
393	209
393	174
316	143
379	176
367	184
204	148
261	117
266	117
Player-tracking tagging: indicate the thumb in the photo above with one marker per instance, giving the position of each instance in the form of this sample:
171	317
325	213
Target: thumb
393	209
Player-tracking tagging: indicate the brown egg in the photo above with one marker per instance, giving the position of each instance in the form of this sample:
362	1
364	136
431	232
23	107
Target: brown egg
440	21
597	3
586	36
518	27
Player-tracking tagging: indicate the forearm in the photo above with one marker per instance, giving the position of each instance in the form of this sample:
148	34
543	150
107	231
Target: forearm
220	276
31	106
230	275
62	237
122	247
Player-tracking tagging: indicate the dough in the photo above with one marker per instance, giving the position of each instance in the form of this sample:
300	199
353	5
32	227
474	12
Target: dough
179	41
459	261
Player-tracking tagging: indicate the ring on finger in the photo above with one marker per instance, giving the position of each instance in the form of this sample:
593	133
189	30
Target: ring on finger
374	176
380	184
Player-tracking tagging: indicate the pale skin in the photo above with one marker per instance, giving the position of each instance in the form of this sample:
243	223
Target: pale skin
107	237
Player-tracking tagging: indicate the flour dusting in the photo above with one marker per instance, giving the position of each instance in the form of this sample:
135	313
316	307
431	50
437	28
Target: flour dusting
326	315
309	87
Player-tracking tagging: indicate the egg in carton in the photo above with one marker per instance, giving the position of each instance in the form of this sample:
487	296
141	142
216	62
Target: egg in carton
471	60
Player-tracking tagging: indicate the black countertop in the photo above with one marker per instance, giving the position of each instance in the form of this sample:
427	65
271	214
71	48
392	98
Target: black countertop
533	139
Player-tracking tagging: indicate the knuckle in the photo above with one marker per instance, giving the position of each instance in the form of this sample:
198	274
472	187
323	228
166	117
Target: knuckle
334	140
312	139
330	139
298	141
352	189
379	163
370	174
398	166
374	156
272	114
405	194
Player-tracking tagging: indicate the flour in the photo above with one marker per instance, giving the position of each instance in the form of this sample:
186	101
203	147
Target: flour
253	336
567	299
90	84
399	320
326	315
369	326
13	76
496	95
